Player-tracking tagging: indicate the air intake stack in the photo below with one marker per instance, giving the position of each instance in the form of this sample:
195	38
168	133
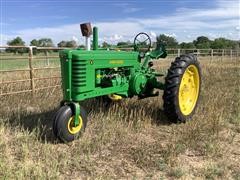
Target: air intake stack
87	32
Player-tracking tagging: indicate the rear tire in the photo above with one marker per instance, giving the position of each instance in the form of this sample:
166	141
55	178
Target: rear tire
182	88
62	124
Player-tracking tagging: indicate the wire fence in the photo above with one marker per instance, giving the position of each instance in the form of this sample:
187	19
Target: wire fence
31	69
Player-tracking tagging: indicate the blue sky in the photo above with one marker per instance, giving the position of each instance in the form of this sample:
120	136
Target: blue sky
119	20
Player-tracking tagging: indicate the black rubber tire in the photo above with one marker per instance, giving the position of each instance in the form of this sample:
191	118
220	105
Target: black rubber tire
56	116
60	124
172	84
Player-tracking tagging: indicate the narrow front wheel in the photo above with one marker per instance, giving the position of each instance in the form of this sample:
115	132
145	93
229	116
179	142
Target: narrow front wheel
63	125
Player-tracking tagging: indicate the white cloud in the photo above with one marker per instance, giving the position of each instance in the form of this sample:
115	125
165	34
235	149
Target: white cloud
74	38
184	24
153	36
171	35
131	10
127	7
116	37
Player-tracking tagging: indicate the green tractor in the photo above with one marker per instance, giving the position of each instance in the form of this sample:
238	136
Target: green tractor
118	74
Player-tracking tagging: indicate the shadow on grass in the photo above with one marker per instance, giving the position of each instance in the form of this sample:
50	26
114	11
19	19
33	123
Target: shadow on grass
127	109
41	123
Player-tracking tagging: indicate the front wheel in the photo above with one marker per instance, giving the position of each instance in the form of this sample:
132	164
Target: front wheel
182	88
63	124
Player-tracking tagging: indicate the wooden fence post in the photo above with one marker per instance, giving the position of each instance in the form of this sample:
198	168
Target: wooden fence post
30	58
47	59
222	54
231	54
179	52
211	54
237	54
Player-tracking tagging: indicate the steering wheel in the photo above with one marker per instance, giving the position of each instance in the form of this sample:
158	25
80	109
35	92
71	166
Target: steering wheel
142	42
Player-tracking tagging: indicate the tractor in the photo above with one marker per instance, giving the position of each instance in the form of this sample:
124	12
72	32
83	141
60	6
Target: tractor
93	72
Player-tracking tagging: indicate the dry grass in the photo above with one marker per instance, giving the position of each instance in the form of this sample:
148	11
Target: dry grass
132	139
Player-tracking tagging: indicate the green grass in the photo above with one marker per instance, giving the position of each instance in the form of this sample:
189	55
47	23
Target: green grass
12	61
130	140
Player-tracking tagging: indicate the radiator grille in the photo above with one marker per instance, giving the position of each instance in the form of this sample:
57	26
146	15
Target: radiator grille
79	73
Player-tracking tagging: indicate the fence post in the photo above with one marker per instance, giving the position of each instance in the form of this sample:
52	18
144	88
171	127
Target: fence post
178	52
231	54
30	58
222	54
211	54
47	59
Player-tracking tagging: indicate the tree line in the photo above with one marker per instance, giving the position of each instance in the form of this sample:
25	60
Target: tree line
201	42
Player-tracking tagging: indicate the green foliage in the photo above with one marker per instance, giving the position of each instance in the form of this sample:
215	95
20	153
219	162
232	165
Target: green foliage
124	44
70	44
223	43
169	41
202	42
105	45
81	46
189	45
16	42
34	42
45	42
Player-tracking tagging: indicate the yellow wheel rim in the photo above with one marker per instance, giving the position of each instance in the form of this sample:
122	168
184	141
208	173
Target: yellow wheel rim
114	97
74	129
189	90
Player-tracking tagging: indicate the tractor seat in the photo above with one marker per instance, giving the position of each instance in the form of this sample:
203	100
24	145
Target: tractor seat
158	52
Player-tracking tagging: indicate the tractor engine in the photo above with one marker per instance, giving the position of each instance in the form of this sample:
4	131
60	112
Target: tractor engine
112	77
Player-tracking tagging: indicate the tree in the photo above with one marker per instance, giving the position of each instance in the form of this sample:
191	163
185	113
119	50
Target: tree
34	42
223	43
202	42
62	44
124	44
71	44
81	46
185	45
169	41
16	42
45	42
106	45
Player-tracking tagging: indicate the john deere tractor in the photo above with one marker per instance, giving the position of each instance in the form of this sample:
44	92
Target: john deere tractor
95	72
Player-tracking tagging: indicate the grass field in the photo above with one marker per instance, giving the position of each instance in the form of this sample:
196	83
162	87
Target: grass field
10	61
132	139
